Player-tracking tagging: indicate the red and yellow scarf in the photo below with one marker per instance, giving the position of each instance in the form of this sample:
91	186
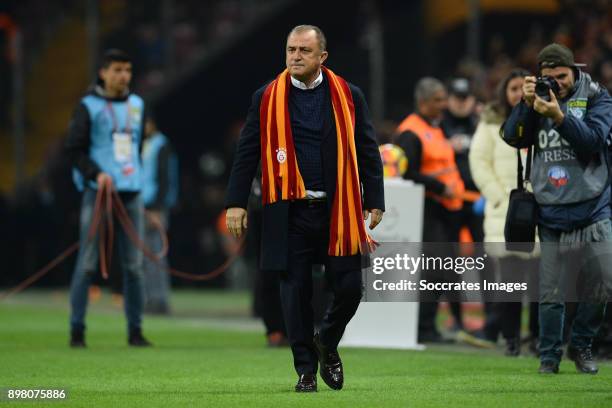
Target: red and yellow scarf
281	178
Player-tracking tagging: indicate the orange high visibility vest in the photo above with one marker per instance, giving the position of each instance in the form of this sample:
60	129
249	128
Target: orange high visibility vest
437	159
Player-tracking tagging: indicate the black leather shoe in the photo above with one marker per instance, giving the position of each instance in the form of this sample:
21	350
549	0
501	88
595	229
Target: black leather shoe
136	339
330	365
306	383
583	359
549	367
77	339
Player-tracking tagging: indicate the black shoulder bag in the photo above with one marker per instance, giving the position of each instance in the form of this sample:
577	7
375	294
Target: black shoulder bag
522	216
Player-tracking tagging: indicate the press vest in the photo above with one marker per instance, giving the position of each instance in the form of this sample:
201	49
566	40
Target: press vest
150	167
558	176
437	159
116	128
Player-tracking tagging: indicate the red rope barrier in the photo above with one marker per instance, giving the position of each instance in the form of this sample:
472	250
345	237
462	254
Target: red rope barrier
107	200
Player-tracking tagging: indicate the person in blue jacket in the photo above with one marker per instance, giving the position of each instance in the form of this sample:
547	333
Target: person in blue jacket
570	131
159	194
104	142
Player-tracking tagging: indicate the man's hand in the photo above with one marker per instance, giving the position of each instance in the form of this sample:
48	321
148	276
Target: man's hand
104	178
236	221
376	217
549	109
529	90
154	218
460	142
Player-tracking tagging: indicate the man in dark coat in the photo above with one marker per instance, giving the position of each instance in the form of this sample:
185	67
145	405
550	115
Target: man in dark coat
305	224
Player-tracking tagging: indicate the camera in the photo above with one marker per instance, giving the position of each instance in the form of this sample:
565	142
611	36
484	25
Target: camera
544	84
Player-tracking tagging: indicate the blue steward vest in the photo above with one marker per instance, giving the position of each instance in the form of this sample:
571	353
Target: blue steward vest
150	164
109	147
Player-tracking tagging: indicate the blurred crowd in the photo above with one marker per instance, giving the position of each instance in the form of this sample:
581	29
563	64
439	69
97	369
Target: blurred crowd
35	19
196	29
586	28
193	28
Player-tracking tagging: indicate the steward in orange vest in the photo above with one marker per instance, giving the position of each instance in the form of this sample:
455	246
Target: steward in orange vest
431	161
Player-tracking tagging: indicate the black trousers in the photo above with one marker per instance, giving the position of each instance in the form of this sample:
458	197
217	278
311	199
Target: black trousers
442	226
308	239
506	316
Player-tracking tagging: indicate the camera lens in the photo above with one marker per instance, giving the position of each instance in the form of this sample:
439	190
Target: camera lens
544	85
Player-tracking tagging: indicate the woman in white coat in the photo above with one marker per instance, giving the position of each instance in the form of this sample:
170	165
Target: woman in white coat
494	168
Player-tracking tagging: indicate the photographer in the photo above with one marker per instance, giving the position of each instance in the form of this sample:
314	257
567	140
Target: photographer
567	118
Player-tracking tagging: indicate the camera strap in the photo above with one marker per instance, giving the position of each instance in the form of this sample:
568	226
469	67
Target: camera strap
520	181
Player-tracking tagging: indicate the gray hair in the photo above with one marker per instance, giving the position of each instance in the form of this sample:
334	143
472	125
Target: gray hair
307	27
426	88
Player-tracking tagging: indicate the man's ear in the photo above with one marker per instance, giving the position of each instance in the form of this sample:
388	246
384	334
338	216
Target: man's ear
576	74
324	55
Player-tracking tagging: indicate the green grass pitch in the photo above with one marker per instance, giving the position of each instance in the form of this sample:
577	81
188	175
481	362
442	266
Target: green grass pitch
198	361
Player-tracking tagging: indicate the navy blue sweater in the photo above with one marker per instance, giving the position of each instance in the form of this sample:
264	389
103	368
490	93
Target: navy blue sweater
308	109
